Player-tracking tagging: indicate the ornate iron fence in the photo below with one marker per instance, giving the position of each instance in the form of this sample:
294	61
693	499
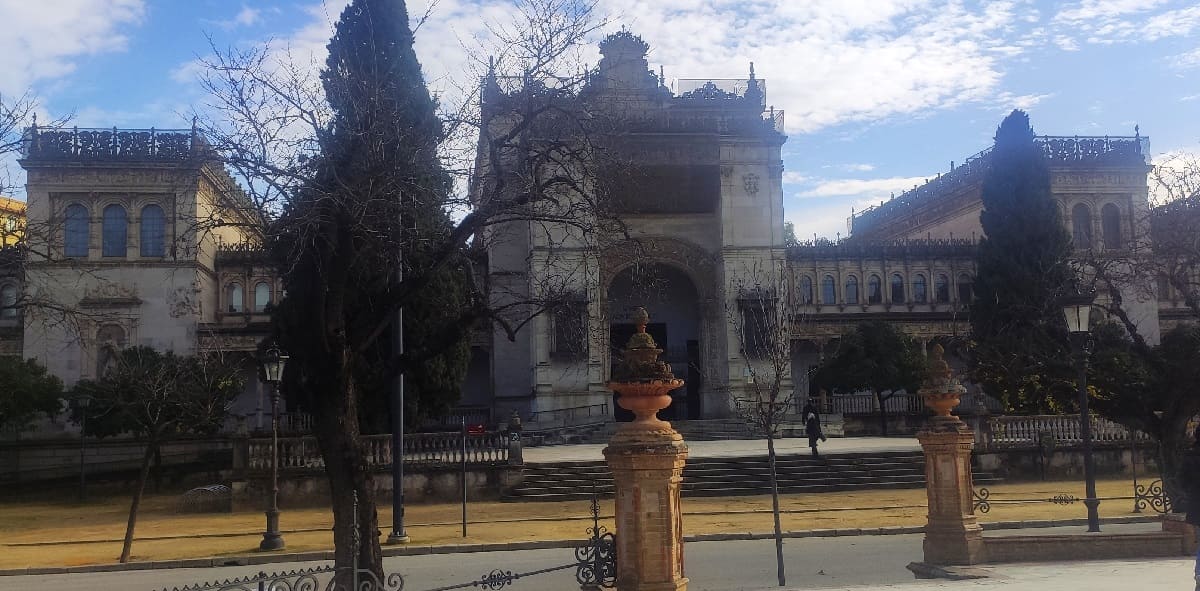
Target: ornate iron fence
595	567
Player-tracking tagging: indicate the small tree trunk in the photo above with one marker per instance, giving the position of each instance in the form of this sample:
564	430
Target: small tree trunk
143	476
775	507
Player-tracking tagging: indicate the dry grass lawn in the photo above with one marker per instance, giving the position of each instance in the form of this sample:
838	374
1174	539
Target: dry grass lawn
70	534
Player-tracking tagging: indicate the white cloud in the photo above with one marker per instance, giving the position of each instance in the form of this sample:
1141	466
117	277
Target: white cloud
864	188
854	167
43	40
246	17
1187	60
1107	22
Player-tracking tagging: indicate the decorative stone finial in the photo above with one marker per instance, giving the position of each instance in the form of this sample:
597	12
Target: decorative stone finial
639	360
941	390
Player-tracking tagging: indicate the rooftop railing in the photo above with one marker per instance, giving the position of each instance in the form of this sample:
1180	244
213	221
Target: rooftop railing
117	145
1099	150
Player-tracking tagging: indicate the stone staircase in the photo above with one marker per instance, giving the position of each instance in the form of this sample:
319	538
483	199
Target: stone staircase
562	481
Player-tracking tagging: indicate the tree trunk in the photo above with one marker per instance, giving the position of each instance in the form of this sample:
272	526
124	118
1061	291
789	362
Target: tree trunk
345	467
882	412
1171	450
775	506
143	476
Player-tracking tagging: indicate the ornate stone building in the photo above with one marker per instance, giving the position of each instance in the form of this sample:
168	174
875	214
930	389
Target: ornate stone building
133	237
699	191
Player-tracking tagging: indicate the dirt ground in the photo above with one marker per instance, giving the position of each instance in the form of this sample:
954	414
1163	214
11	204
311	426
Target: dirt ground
48	533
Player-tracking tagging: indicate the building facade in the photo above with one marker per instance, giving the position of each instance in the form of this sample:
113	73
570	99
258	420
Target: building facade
128	241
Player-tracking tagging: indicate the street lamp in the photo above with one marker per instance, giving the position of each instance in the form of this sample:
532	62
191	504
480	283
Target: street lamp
273	362
1077	309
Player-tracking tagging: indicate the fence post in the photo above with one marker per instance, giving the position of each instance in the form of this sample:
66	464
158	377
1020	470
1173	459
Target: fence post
515	454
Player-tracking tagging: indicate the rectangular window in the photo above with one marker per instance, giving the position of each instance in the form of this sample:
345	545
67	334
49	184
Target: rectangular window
570	331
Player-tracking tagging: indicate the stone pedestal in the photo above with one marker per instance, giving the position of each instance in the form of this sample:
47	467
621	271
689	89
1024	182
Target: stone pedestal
647	468
646	457
952	534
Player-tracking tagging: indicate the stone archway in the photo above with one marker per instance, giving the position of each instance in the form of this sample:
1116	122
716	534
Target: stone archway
676	282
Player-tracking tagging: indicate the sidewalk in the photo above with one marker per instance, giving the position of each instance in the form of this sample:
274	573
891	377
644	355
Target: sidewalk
1167	574
734	448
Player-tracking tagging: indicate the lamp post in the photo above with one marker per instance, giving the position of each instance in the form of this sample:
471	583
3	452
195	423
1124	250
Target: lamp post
273	363
1077	309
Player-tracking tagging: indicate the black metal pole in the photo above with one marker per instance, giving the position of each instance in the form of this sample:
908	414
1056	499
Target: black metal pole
82	452
1133	459
1085	427
464	476
272	539
398	535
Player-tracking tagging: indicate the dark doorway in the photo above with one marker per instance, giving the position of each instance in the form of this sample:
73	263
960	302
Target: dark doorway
670	297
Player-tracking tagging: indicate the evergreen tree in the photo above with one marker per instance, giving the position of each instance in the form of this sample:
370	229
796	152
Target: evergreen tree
1020	351
29	390
375	203
876	357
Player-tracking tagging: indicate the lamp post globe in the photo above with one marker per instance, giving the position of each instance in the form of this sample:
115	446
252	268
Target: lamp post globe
1077	308
273	362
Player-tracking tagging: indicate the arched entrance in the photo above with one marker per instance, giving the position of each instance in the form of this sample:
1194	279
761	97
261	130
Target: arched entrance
671	298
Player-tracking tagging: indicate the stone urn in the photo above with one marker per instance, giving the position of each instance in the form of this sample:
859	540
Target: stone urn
941	391
643	383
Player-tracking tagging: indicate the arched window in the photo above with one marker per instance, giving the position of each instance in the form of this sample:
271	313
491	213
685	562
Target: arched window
920	289
8	301
874	290
852	290
897	289
114	231
153	232
1110	223
941	288
1081	226
262	296
964	289
76	231
234	298
806	290
828	290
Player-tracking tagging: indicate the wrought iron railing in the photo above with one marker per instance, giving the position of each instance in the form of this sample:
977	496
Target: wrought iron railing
574	416
125	145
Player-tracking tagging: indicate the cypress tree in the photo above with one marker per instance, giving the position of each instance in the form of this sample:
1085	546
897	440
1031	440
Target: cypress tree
376	203
1020	352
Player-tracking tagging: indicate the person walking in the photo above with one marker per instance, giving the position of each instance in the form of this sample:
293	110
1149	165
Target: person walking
1190	478
812	425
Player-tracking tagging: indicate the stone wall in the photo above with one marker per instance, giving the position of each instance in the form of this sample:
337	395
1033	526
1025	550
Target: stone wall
423	485
59	459
1026	464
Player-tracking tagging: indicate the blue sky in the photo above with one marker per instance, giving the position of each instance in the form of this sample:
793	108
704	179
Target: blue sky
879	94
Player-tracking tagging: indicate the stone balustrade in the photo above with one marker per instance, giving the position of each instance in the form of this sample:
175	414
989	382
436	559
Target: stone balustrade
1017	432
298	454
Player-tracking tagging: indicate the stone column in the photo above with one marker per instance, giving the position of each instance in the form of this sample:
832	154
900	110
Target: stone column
646	457
952	533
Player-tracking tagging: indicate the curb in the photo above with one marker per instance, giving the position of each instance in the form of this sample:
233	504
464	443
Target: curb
419	550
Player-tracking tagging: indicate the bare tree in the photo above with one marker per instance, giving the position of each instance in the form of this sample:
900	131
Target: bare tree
1142	381
760	320
527	171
